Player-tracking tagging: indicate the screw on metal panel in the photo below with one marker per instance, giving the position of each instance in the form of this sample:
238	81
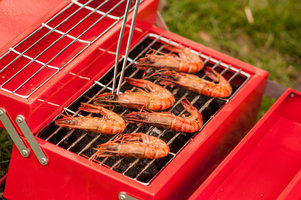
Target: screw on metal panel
19	119
1	112
44	161
292	94
122	196
25	153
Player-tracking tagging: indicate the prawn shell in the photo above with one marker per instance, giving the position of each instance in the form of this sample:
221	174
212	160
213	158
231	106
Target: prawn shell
154	98
138	145
198	85
110	123
167	120
185	61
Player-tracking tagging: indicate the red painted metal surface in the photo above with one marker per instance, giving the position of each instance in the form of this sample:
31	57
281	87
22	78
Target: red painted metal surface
70	176
266	163
19	18
82	179
45	103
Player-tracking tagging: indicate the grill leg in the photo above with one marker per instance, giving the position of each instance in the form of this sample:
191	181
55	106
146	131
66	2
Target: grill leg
274	89
160	22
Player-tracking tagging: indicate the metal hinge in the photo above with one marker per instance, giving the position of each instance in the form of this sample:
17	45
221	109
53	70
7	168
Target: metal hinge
124	196
13	133
28	136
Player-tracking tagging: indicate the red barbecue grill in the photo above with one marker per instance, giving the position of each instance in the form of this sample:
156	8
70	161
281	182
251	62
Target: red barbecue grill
67	59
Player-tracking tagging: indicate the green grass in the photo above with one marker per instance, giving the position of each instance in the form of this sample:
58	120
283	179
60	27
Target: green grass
6	145
266	103
271	42
5	151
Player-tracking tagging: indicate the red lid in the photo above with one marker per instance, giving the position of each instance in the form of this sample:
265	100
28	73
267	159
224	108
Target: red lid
18	18
266	164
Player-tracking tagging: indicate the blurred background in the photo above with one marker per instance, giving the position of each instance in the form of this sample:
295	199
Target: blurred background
264	33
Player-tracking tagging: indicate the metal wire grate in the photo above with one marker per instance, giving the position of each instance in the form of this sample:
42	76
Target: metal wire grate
143	170
32	62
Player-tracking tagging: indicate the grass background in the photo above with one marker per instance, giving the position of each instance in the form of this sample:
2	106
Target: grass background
260	32
268	38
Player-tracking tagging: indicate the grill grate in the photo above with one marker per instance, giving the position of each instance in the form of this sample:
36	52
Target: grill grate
143	170
32	62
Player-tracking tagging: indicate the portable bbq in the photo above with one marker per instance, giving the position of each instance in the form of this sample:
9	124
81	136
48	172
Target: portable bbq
66	56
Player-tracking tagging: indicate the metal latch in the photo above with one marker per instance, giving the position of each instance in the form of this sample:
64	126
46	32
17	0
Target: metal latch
28	135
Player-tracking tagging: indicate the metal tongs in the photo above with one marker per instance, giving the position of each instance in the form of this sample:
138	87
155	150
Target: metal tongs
128	5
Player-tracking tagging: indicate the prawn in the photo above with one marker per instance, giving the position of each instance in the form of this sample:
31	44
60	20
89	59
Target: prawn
168	120
196	84
110	123
138	145
185	61
153	98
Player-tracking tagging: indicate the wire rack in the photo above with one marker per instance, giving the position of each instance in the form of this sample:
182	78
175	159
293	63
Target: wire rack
144	170
28	65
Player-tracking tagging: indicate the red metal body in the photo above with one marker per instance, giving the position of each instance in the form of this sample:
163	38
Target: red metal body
83	179
70	176
20	18
266	163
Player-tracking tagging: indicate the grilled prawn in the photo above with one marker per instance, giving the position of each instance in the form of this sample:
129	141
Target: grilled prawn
198	85
168	120
185	61
110	123
153	98
138	145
